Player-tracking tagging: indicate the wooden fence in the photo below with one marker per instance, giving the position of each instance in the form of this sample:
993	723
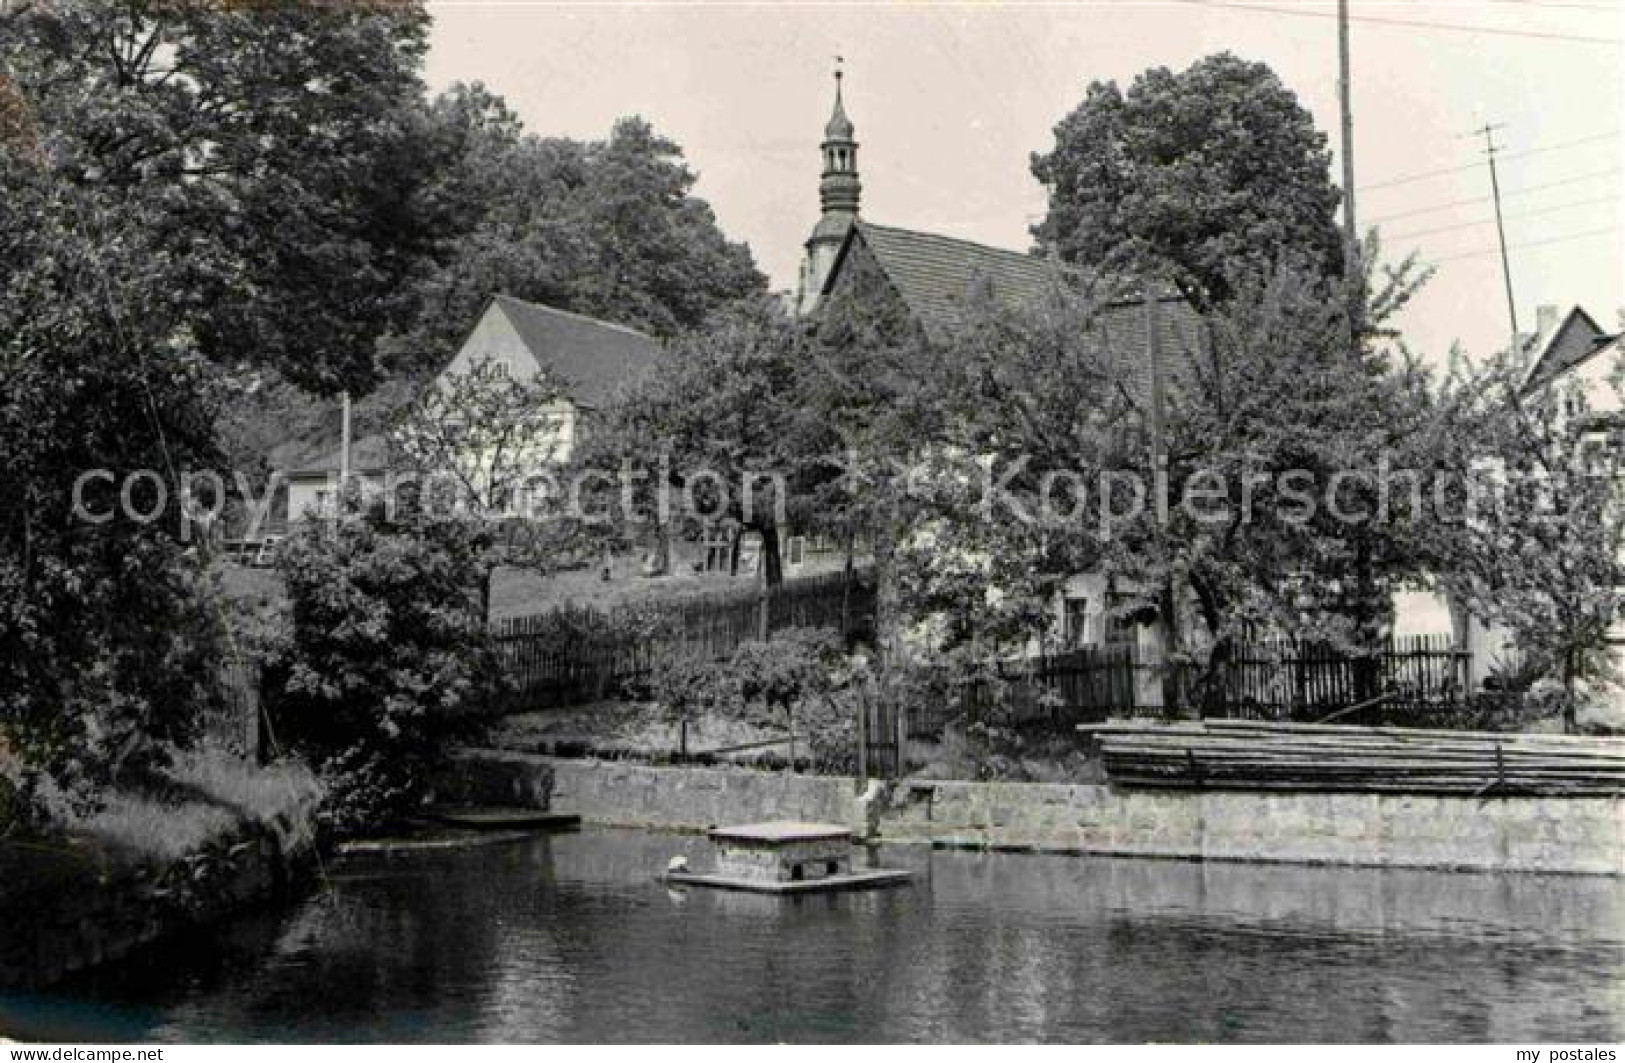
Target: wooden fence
574	655
1411	679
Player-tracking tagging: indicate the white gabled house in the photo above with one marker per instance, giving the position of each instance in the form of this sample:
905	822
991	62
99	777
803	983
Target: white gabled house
589	358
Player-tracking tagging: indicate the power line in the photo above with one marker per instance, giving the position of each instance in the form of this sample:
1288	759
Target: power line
1533	243
1378	20
1485	199
1408	178
1560	3
1510	217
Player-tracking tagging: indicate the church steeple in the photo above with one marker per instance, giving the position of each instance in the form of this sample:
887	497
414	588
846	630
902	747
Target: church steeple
839	188
838	192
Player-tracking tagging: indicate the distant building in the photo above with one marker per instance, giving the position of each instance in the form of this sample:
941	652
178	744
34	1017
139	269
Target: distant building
589	358
1563	348
1575	348
933	278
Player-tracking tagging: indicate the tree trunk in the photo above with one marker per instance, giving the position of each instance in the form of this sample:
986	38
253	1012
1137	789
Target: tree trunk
1570	717
846	589
486	579
772	563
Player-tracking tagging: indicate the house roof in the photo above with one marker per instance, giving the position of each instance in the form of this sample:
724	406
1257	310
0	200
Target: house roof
1576	341
591	358
935	275
369	454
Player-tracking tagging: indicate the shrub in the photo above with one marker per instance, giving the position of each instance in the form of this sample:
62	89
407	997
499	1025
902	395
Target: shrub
801	680
380	658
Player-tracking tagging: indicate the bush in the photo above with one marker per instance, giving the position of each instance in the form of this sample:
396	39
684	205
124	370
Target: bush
366	790
801	680
381	658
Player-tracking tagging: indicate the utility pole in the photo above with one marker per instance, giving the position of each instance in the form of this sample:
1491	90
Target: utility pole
1487	131
1365	609
1351	234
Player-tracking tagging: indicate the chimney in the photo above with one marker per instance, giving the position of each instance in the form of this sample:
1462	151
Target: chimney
1545	321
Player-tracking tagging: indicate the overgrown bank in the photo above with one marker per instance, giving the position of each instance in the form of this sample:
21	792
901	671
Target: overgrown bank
219	838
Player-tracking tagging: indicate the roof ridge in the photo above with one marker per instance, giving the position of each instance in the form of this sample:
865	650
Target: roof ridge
528	304
1024	256
1130	295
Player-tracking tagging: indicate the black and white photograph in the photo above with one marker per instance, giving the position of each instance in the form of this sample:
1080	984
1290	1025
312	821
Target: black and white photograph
833	522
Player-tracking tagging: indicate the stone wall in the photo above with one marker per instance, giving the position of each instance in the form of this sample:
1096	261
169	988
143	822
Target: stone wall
495	777
75	907
1581	835
625	794
1577	835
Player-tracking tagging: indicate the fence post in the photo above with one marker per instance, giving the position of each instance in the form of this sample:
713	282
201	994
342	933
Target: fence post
902	735
863	736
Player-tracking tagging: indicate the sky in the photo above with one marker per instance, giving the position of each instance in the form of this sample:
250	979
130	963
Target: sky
951	99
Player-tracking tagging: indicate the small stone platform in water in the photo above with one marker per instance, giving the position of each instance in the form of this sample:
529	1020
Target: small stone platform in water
786	856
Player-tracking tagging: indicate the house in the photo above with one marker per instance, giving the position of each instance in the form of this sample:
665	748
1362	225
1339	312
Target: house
1575	349
589	358
1564	348
313	487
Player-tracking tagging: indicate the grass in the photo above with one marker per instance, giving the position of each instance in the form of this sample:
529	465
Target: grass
615	728
518	592
212	793
152	827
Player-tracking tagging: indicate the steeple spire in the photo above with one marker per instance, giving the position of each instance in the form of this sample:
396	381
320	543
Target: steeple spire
839	188
838	194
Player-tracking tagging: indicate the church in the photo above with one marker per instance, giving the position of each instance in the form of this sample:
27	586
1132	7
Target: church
931	278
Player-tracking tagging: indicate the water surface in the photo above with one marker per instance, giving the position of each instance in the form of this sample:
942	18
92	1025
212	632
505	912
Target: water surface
568	938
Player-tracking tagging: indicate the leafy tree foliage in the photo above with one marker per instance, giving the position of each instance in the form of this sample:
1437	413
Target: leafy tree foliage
716	426
1196	173
483	445
1245	512
608	228
1540	546
802	681
381	657
266	147
105	632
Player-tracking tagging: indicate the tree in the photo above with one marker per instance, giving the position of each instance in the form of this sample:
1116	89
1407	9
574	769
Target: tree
1195	174
1050	464
268	148
721	423
107	634
481	444
1541	549
186	186
607	228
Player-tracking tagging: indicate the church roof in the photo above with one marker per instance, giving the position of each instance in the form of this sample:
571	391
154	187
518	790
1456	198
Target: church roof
590	357
934	276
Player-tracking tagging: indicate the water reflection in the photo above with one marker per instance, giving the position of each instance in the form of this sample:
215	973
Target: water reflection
570	938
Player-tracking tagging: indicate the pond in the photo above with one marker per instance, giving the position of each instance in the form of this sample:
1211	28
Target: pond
569	938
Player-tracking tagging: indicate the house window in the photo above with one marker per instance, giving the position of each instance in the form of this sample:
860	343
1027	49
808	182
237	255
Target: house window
797	549
1121	626
1074	622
